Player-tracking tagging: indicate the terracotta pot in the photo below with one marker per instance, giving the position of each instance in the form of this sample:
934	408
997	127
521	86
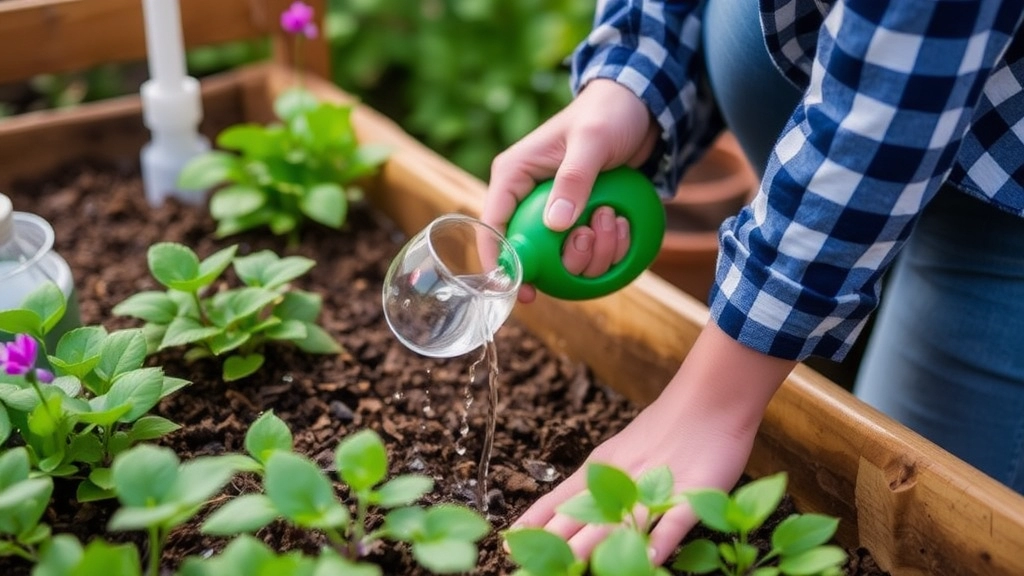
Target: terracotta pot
714	188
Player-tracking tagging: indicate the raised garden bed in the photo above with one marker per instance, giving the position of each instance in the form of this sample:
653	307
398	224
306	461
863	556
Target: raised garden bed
917	509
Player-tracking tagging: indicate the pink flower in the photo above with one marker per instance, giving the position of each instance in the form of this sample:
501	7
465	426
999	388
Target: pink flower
298	19
19	358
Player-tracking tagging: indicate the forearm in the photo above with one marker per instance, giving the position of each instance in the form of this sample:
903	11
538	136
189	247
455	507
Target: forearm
726	382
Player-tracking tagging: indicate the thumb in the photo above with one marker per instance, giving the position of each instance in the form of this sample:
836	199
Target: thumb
571	188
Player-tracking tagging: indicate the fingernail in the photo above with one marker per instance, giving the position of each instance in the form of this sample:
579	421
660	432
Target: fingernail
561	213
651	553
582	242
607	220
623	227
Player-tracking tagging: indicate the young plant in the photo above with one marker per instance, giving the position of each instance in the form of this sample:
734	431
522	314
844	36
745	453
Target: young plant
236	323
23	500
443	538
158	492
303	167
247	555
613	498
798	542
75	420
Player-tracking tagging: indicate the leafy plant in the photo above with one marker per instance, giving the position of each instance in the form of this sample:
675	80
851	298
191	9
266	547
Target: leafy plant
23	500
234	322
443	537
798	542
304	167
93	406
613	498
468	78
158	492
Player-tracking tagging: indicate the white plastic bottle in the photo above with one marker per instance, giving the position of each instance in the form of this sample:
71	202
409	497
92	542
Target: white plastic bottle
27	260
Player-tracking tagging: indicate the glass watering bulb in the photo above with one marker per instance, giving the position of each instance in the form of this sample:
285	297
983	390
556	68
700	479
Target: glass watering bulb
455	283
27	261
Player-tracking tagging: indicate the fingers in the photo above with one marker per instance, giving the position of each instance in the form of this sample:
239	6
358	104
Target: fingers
543	510
584	159
591	251
669	532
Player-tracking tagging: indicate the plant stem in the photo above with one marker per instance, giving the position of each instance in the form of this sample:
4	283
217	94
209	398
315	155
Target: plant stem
155	550
21	551
339	542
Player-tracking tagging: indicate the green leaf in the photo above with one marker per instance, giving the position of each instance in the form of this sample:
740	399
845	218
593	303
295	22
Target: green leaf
228	341
22	504
183	330
48	302
252	140
88	491
333	565
215	264
236	201
541	552
246	513
293	102
123	351
654	487
801	532
813	561
622	553
243	556
698	557
266	270
174	265
5	425
143	517
758	499
101	558
317	341
201	478
584	508
145	475
237	367
267	434
59	556
150	428
301	493
19	321
287	330
406	524
102	477
233	305
208	170
150	306
613	490
139	389
85	448
299	305
445	556
402	490
326	204
172	385
362	460
711	507
78	351
452	522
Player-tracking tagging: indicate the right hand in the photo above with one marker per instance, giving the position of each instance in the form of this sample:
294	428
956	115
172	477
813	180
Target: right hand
604	127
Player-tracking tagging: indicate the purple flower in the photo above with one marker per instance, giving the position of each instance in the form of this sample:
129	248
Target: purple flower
19	358
298	19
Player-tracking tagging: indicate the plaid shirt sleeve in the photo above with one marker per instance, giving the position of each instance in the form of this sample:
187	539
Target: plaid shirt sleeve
652	49
892	90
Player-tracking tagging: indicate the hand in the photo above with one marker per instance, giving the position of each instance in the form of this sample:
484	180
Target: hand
604	127
702	427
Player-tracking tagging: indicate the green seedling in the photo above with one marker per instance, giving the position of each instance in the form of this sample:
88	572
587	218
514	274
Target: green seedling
157	492
443	538
96	402
303	167
233	323
64	555
247	555
23	500
632	508
799	543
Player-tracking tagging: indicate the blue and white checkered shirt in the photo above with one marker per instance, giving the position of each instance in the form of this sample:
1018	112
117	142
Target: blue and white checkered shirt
899	98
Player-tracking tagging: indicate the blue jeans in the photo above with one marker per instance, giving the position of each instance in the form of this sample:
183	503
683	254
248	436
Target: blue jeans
946	354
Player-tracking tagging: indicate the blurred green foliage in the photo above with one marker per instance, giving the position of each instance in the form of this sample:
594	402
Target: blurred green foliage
466	77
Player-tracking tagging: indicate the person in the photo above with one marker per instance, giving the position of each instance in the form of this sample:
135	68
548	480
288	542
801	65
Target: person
879	129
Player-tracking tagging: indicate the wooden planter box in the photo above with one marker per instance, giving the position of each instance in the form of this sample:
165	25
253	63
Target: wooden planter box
918	509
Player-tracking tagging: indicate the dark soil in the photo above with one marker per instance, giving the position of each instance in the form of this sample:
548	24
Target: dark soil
551	410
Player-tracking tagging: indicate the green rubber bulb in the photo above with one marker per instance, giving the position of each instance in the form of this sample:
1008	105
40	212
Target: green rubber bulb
539	248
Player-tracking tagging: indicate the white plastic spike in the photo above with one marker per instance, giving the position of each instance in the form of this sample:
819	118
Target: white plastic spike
171	107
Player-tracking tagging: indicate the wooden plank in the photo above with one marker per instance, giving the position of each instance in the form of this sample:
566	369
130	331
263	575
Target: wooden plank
52	36
918	509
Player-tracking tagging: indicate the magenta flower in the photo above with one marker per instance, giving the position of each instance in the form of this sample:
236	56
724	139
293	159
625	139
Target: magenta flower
19	358
298	19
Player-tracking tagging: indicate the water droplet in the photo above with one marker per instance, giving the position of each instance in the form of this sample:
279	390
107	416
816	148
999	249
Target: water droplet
406	303
398	395
417	465
464	429
428	411
287	378
460	449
